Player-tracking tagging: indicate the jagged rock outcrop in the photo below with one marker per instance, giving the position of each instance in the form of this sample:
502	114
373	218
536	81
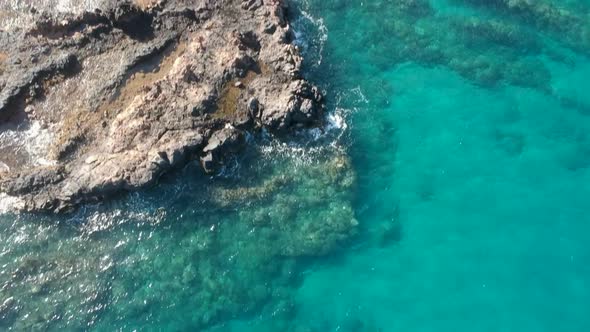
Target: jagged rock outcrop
132	90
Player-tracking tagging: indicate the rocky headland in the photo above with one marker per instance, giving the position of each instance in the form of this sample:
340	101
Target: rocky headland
126	91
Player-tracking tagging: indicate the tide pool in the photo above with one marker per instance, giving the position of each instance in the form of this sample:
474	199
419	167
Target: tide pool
450	193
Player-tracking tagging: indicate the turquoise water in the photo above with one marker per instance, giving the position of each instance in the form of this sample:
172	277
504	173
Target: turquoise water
451	194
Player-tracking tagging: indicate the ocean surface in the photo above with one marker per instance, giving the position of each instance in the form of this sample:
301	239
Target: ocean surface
450	191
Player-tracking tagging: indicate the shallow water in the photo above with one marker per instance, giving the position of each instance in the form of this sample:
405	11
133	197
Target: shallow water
453	196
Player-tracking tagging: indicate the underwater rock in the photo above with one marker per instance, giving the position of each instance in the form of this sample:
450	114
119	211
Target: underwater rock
568	26
489	49
130	90
307	209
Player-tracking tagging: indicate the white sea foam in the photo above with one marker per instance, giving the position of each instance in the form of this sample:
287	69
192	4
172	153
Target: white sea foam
300	155
303	152
336	121
32	141
359	92
304	43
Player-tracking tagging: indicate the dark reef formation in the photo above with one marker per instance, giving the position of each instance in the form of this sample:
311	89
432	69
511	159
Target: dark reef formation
233	249
130	90
490	43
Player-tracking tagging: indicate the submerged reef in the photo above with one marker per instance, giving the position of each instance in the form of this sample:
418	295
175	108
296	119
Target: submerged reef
145	260
486	48
311	205
568	25
126	91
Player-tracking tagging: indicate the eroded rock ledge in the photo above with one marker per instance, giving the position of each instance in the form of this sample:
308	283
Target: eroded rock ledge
132	90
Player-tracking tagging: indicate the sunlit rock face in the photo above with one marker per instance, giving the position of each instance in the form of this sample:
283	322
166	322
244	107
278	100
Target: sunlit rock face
129	91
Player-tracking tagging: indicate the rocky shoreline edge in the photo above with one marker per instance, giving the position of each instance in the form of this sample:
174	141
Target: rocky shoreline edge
135	89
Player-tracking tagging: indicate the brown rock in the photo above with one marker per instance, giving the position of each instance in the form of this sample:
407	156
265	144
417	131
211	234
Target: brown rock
136	89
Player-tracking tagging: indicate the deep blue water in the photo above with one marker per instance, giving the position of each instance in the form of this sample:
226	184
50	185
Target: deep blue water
454	196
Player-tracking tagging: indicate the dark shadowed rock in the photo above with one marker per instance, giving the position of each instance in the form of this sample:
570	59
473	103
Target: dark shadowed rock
27	182
222	144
